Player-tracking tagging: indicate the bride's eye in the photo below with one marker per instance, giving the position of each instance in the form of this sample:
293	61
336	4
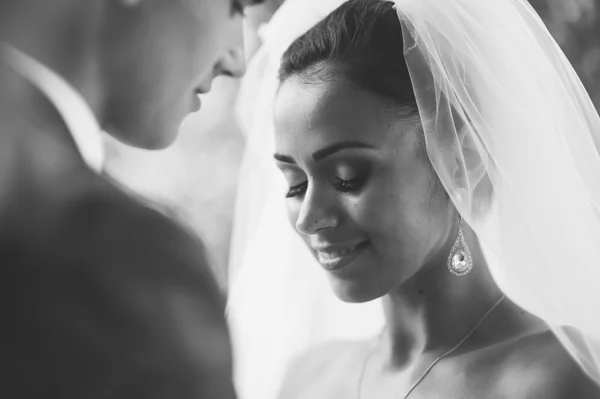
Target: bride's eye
348	177
348	186
296	190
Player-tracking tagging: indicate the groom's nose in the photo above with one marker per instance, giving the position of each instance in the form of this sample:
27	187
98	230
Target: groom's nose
233	63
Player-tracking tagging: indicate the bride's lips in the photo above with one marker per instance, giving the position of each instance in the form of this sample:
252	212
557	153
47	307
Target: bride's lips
335	257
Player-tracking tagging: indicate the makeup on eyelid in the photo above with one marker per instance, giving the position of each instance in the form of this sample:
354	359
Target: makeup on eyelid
344	176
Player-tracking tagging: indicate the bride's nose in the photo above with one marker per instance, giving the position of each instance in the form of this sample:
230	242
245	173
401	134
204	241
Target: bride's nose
317	212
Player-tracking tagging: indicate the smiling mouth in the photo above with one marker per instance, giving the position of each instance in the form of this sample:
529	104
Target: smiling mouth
336	259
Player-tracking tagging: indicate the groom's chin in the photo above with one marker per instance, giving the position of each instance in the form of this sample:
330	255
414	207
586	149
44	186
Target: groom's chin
159	142
145	138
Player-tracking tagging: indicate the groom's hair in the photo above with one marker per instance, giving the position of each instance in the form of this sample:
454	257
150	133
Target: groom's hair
362	42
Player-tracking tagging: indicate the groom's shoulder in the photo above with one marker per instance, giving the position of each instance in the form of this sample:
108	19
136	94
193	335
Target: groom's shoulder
106	291
114	219
96	225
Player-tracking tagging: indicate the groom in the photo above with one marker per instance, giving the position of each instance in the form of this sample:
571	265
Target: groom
103	297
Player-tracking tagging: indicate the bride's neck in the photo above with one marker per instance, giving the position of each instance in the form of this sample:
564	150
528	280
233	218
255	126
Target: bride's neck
434	310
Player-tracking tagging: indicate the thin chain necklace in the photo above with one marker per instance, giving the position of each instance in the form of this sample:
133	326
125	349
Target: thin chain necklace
426	372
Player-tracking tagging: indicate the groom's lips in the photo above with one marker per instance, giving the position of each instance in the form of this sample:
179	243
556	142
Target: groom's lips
197	102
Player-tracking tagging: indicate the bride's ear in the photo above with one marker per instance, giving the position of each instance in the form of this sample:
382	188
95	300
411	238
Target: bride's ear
472	168
460	159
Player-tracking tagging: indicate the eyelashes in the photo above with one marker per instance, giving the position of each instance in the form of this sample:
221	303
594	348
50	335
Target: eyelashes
340	185
345	176
348	186
297	190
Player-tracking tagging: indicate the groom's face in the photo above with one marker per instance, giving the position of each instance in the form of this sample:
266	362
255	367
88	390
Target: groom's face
158	55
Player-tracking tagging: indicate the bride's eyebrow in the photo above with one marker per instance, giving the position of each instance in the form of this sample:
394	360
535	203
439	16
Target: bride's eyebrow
323	153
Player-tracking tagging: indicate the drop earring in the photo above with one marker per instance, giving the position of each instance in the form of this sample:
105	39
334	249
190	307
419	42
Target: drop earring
460	261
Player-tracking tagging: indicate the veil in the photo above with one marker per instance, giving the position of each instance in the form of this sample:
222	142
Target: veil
279	302
495	91
498	98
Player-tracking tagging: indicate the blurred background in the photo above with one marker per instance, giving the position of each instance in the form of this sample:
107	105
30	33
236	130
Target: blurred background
198	176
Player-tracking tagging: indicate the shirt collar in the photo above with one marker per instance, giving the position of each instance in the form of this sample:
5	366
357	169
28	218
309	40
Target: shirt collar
71	105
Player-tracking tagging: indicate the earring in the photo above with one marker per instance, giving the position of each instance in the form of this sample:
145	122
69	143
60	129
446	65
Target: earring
460	262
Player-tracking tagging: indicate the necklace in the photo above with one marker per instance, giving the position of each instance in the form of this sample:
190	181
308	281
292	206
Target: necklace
445	354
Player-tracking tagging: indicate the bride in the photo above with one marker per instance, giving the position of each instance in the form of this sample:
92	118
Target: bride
443	156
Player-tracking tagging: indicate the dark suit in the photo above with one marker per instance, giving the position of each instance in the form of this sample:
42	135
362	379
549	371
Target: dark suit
102	296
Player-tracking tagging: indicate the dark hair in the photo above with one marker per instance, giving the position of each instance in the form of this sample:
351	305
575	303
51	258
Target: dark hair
362	42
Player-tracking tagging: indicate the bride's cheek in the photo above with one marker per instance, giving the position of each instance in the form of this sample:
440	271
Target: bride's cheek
365	206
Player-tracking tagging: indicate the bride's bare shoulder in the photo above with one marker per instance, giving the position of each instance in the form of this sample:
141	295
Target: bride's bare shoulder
324	370
539	366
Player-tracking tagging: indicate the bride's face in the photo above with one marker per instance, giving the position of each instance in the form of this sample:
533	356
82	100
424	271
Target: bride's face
362	194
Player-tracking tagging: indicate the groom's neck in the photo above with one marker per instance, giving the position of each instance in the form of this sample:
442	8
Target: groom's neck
65	39
36	144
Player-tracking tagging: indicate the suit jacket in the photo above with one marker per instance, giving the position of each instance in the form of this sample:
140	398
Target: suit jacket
103	296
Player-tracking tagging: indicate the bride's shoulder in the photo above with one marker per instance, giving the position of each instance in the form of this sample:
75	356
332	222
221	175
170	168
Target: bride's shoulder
323	370
542	368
